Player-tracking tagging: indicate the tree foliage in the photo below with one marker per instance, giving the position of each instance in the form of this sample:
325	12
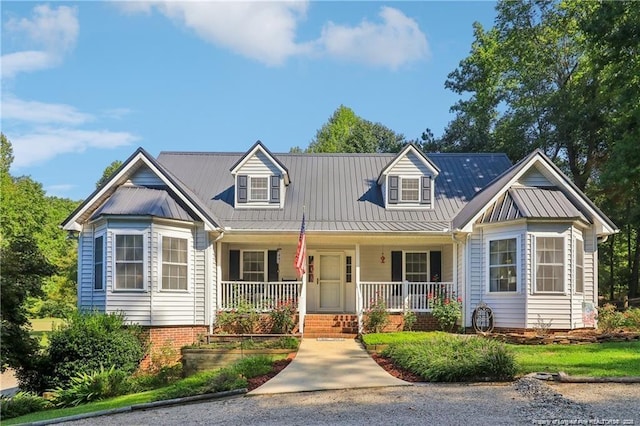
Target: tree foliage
108	171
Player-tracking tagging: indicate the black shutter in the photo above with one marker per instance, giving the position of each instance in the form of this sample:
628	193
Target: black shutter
242	188
426	190
234	265
396	266
435	259
273	266
393	189
275	189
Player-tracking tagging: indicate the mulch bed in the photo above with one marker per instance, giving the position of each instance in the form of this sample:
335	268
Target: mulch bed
395	370
278	366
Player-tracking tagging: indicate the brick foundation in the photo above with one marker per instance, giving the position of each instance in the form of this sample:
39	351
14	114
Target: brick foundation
165	343
425	322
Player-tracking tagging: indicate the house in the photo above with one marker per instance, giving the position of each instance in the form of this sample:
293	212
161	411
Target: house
173	240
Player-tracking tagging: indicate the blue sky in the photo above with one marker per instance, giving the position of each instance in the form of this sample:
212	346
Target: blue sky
86	83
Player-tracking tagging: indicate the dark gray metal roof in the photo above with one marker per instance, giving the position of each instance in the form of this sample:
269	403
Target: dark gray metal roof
135	200
531	203
339	191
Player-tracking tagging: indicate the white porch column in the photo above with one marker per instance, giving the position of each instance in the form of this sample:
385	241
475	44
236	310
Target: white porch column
218	255
358	289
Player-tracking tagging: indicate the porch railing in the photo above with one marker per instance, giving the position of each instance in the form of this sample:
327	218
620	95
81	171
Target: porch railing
399	296
262	296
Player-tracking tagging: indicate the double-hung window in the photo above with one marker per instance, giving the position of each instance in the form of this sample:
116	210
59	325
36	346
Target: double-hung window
129	262
550	264
410	189
253	266
174	263
503	272
579	262
416	267
98	263
259	188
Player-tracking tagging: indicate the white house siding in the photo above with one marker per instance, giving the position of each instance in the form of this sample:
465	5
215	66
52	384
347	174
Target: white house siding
509	309
136	305
590	280
144	176
88	298
553	309
258	164
533	177
409	165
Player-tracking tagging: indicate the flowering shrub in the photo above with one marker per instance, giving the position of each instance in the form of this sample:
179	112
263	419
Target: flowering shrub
282	317
446	311
376	318
242	319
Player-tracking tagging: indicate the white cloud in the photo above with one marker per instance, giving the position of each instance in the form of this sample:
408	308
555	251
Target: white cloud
43	144
392	43
48	35
267	31
40	112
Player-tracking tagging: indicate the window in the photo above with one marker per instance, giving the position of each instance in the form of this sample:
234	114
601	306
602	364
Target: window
503	275
550	264
98	263
579	266
174	263
416	267
410	189
349	269
253	266
129	262
259	190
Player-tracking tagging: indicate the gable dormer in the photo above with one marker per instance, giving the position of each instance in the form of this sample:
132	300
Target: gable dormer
260	179
408	181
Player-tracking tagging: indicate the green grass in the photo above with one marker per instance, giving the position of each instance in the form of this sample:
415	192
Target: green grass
596	359
399	337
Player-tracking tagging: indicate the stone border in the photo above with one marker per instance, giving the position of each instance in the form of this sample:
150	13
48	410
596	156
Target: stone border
564	339
563	377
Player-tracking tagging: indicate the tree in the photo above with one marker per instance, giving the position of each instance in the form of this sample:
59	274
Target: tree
22	270
347	132
108	171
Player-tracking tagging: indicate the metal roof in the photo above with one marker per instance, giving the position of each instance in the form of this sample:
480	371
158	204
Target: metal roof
339	192
135	200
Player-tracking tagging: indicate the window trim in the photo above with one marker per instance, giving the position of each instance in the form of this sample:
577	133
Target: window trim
401	180
265	260
176	235
145	261
404	264
267	189
516	262
410	204
102	235
534	262
578	241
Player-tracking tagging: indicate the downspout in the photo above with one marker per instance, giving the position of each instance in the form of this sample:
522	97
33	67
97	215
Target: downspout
216	253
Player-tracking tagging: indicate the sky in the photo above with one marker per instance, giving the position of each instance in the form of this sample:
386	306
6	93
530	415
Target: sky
87	83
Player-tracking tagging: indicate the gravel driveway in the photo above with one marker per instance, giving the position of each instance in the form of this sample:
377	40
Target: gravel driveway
526	401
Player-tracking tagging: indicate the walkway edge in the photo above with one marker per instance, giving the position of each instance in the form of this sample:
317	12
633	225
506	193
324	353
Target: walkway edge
145	406
562	377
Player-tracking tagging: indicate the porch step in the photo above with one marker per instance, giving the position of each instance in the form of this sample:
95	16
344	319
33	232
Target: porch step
330	325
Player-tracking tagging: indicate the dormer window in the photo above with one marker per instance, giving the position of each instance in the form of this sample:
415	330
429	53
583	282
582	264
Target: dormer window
410	190
259	188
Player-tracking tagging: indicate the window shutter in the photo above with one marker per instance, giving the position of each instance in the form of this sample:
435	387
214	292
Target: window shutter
435	260
275	189
426	190
396	266
393	190
273	265
234	265
242	188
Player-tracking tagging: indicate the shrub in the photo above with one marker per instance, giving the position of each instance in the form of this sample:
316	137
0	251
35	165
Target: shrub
376	318
632	319
22	403
161	377
610	319
94	386
408	320
282	317
447	311
253	366
243	318
447	358
84	344
205	382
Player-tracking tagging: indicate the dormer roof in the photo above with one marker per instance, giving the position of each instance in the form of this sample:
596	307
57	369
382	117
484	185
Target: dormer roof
409	148
259	147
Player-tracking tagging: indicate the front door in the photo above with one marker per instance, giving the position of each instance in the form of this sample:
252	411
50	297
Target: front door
330	283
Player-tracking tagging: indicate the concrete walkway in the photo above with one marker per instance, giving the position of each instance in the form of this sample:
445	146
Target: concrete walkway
327	364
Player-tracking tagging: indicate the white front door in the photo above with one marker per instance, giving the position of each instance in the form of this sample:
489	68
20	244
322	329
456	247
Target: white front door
329	282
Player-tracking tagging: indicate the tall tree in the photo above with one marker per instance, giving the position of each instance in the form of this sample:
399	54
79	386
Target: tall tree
347	132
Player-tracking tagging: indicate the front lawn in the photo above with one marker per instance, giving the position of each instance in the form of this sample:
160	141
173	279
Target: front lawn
399	337
613	359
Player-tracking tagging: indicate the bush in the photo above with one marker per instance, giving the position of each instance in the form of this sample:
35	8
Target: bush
84	344
22	403
162	377
447	311
610	319
93	386
206	382
253	366
243	318
282	317
408	320
447	358
632	319
376	318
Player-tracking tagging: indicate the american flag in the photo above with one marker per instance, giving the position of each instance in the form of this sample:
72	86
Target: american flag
301	253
